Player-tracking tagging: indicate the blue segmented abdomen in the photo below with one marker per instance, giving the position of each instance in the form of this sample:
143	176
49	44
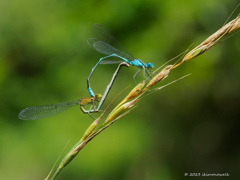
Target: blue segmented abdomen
90	92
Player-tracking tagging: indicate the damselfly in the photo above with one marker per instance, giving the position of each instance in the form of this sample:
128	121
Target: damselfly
108	45
40	112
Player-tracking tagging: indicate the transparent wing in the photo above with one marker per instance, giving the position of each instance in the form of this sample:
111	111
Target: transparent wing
104	48
105	36
40	112
110	62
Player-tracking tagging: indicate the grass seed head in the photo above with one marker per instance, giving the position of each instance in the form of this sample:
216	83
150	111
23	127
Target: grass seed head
159	77
136	91
118	111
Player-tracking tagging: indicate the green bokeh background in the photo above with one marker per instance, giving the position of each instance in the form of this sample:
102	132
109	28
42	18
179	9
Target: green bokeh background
191	126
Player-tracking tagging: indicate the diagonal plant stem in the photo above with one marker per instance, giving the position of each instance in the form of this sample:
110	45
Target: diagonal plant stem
126	105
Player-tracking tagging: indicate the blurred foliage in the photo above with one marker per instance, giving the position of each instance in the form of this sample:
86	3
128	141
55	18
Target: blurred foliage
191	126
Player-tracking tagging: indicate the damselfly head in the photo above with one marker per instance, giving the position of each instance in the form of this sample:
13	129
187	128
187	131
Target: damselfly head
98	96
149	65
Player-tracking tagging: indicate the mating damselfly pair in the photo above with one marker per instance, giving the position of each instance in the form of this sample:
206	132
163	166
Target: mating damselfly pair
105	44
